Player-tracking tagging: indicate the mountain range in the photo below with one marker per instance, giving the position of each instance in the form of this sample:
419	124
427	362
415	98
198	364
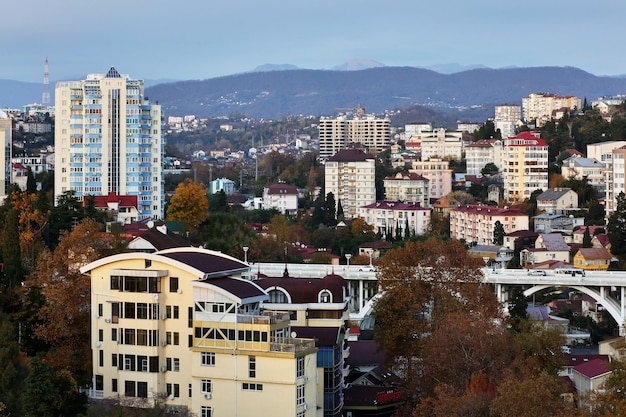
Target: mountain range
271	92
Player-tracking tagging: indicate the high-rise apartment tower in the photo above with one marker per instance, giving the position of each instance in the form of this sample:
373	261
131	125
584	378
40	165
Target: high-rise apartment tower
108	137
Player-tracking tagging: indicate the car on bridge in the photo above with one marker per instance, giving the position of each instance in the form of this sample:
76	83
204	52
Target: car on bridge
537	272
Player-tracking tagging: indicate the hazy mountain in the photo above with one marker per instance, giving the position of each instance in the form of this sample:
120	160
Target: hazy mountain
357	64
275	94
275	67
453	67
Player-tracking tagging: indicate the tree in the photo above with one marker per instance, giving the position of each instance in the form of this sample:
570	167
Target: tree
189	204
431	291
489	169
12	371
11	254
32	222
616	228
65	315
330	218
609	401
587	238
498	233
31	184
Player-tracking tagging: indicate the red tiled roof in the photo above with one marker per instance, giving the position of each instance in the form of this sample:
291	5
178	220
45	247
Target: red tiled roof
593	368
282	188
407	176
306	290
489	210
526	136
350	155
240	287
101	201
211	264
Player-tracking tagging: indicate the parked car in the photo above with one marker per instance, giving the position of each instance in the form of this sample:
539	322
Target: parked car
537	272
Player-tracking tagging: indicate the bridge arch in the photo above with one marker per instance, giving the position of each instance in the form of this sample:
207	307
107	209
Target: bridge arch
611	305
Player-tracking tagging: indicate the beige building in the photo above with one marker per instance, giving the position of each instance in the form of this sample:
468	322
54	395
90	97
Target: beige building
6	129
108	137
282	197
617	177
557	200
482	152
603	152
525	166
441	144
409	187
541	106
439	174
476	224
179	327
350	176
337	133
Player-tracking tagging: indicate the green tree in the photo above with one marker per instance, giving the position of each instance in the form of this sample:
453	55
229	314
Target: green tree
330	218
12	372
13	272
498	233
616	228
489	169
587	238
31	184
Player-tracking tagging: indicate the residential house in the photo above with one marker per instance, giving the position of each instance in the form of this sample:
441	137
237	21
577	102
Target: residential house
222	184
282	197
123	208
592	259
548	247
476	224
557	200
549	223
579	234
590	376
588	169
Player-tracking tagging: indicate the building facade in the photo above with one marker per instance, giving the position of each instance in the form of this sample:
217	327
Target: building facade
396	218
6	134
541	106
108	137
222	184
441	144
179	327
282	197
409	187
482	152
337	133
506	118
439	174
350	175
476	224
525	166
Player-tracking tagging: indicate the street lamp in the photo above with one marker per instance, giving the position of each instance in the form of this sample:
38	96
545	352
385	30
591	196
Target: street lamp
348	256
245	254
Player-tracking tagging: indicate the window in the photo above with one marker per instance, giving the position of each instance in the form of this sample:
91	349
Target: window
114	335
300	395
246	386
205	411
176	364
114	359
300	367
173	284
207	359
114	385
100	357
101	335
176	338
176	310
142	389
129	388
205	386
100	310
252	366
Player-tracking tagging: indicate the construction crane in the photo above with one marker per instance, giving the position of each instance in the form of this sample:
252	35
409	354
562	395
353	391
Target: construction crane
359	110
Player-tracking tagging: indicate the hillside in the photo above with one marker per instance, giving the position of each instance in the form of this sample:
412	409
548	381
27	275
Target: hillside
467	95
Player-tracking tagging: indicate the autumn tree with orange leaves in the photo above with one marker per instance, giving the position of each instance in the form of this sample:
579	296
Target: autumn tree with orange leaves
65	315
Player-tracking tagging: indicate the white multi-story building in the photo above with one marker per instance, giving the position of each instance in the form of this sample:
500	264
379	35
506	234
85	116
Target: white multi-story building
282	197
222	184
603	152
6	130
108	137
618	174
409	187
350	176
397	218
439	174
541	106
507	117
589	169
482	152
337	133
476	224
525	166
442	144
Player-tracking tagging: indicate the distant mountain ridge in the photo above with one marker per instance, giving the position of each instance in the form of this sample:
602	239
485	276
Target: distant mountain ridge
282	92
275	94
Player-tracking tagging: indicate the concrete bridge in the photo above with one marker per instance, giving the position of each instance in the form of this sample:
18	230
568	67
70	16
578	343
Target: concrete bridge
607	288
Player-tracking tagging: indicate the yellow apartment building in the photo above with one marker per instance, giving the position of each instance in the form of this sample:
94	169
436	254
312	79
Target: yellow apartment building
179	327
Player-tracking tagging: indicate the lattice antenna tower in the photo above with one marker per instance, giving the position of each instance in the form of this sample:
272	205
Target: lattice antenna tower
45	95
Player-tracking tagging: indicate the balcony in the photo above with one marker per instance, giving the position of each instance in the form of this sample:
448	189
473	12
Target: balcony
268	317
293	345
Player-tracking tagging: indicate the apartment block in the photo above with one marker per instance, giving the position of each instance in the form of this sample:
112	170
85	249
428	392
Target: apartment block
482	152
335	134
603	152
618	175
590	169
475	224
396	218
506	118
542	106
408	187
439	174
282	197
180	327
525	166
6	134
350	176
441	144
108	137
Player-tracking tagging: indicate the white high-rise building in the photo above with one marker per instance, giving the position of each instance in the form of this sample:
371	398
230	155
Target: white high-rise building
337	133
6	128
108	137
525	166
506	118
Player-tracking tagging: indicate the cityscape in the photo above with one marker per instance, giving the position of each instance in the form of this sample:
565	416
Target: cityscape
354	265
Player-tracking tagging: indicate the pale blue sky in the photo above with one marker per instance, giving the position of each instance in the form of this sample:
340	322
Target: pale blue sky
199	39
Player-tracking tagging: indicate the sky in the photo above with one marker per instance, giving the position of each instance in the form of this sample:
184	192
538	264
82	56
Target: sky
201	39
